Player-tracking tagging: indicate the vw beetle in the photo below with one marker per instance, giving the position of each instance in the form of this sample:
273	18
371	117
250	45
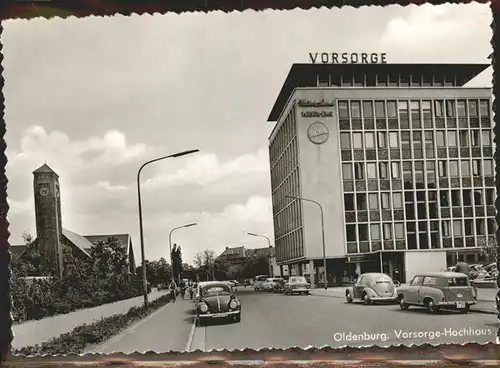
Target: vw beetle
371	288
217	300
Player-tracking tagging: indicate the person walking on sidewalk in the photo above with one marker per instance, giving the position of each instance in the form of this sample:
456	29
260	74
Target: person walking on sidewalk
183	288
463	267
173	288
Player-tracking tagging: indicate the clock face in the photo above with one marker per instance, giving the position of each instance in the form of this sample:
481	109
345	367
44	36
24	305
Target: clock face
44	191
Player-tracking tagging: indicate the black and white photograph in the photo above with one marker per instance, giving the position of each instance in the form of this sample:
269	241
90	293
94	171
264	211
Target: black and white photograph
268	179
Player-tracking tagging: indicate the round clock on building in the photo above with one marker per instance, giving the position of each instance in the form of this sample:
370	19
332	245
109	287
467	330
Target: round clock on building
44	191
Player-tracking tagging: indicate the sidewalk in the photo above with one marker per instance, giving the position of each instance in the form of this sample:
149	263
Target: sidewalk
485	298
35	332
167	329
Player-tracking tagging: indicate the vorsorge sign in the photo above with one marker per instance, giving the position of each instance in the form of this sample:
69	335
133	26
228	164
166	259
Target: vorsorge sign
347	58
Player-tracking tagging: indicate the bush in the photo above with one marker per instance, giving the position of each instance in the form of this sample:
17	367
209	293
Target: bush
84	284
76	341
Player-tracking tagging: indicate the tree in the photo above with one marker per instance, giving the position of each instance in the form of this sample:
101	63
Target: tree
176	257
489	249
256	266
157	272
30	263
207	263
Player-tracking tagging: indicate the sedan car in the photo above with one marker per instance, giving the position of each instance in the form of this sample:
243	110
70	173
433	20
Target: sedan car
438	290
371	288
217	300
297	285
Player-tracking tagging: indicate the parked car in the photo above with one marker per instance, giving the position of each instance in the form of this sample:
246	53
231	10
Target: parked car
438	290
258	281
217	300
492	271
271	283
297	285
371	288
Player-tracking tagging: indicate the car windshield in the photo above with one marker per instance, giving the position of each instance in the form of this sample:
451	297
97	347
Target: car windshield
298	279
216	290
458	281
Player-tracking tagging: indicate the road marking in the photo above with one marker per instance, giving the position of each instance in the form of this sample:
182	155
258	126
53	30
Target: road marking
127	331
191	335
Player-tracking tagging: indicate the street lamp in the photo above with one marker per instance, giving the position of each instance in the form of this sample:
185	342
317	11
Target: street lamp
175	155
322	231
269	245
170	244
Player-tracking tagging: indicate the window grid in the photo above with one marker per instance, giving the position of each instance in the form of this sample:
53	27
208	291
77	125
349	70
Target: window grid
453	122
285	180
386	80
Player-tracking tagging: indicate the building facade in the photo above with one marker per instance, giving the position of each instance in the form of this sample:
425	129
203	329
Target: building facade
240	256
398	156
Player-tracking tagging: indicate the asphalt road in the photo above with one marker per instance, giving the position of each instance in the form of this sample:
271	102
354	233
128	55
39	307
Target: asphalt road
275	320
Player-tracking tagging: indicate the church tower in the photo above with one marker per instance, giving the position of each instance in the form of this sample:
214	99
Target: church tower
48	217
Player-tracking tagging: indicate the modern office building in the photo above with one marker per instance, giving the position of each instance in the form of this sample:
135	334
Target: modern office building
399	157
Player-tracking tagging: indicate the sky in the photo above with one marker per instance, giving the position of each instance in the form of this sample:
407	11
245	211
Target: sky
94	98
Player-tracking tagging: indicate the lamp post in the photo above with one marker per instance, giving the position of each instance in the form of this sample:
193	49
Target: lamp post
170	245
141	230
322	231
269	245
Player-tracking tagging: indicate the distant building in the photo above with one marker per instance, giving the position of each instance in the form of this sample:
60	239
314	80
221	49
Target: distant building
240	255
400	156
51	236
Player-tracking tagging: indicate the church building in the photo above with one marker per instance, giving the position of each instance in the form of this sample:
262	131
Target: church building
50	234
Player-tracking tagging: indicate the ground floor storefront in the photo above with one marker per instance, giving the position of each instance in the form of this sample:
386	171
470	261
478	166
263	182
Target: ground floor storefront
399	265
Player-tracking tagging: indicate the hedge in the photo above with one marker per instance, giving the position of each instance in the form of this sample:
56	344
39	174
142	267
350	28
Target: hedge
44	299
76	341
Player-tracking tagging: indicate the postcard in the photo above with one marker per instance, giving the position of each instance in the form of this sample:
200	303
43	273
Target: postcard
251	180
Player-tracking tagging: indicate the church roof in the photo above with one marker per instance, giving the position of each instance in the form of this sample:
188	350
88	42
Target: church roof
44	169
122	238
84	243
78	240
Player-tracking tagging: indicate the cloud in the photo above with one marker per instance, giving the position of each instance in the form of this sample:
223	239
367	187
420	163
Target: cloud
428	33
222	195
124	90
110	149
207	168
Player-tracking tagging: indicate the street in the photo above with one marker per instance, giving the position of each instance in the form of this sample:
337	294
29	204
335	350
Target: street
275	320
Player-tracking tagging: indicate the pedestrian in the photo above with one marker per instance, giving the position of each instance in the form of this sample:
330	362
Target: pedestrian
183	289
172	287
397	277
191	291
463	267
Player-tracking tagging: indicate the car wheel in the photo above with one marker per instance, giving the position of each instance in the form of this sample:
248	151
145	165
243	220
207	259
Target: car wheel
402	304
431	306
366	299
465	310
348	298
199	322
237	318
